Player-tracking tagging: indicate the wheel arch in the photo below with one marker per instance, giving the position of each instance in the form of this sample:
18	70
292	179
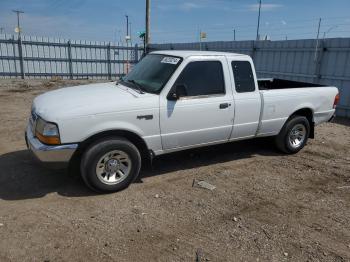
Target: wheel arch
134	138
309	114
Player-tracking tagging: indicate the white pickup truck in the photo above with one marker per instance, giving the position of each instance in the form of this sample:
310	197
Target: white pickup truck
171	101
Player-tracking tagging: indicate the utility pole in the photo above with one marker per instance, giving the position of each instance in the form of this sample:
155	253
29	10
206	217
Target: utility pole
258	27
20	50
18	24
148	22
234	34
127	43
318	28
127	24
318	35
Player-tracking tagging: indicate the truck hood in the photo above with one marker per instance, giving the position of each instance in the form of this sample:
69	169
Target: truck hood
92	99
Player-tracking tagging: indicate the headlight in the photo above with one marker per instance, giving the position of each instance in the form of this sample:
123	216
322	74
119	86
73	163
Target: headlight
47	132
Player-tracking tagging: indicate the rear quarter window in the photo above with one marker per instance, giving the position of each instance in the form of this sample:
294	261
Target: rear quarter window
243	75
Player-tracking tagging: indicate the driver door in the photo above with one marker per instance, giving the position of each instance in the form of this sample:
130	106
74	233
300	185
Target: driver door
204	112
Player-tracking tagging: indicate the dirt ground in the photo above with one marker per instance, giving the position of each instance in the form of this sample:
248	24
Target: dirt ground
266	206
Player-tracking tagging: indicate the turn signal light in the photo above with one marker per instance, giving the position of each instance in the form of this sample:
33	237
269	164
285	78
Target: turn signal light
49	140
336	101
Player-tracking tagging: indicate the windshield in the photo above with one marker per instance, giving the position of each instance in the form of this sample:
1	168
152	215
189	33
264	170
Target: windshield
152	72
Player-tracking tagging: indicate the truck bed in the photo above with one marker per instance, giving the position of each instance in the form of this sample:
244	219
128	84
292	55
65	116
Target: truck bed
281	98
275	83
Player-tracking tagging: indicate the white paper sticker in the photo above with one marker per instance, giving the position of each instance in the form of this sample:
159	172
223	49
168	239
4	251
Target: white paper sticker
170	60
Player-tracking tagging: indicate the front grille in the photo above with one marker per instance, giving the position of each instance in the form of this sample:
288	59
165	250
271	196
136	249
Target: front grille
34	115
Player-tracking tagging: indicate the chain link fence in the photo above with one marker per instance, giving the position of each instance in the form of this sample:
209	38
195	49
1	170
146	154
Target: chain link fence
321	61
34	57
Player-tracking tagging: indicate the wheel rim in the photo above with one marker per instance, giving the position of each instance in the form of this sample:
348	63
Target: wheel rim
113	167
297	136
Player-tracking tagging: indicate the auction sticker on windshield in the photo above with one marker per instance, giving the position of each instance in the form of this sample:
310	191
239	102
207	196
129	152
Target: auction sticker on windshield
170	60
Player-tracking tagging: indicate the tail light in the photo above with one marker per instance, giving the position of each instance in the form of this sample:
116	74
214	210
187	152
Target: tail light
336	101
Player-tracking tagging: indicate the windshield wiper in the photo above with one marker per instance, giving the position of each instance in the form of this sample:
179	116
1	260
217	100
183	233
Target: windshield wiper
137	85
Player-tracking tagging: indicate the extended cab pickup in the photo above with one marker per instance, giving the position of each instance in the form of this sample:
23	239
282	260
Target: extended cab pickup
171	101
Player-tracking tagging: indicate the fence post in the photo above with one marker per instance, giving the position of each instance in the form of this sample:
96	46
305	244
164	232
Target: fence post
14	42
20	54
136	56
70	66
109	64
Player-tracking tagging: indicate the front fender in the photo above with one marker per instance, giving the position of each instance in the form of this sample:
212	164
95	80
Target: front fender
78	130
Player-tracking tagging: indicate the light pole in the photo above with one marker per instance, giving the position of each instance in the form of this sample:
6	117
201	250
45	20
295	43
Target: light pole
127	43
148	23
18	12
20	53
317	38
127	24
258	27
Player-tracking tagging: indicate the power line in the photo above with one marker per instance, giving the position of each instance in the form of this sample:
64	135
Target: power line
229	29
244	36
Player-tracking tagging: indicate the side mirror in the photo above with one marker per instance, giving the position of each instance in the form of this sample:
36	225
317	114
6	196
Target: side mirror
176	92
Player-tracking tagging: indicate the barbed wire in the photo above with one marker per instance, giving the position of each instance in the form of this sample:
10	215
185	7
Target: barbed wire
291	29
275	29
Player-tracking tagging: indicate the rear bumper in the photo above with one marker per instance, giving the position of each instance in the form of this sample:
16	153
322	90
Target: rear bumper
52	156
323	116
332	118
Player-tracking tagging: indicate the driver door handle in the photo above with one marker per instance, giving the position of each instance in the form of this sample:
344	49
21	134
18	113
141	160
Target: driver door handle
224	105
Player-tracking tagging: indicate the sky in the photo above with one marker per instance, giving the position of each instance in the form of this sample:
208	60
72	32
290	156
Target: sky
177	20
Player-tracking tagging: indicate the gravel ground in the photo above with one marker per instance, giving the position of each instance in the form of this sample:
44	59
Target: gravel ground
266	206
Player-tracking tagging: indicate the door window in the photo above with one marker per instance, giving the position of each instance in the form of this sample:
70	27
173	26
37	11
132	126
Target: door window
202	78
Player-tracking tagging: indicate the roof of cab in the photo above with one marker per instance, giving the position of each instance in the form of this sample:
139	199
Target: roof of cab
187	53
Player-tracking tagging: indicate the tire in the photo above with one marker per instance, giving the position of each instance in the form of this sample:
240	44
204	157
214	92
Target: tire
293	135
110	165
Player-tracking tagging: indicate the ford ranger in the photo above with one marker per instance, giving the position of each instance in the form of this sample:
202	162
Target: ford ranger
171	101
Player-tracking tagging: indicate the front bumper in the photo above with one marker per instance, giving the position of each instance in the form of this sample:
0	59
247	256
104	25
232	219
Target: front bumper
55	156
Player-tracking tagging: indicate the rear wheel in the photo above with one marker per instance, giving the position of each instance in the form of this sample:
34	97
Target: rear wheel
110	165
294	134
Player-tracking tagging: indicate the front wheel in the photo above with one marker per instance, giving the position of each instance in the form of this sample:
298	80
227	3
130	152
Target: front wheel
110	165
294	134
